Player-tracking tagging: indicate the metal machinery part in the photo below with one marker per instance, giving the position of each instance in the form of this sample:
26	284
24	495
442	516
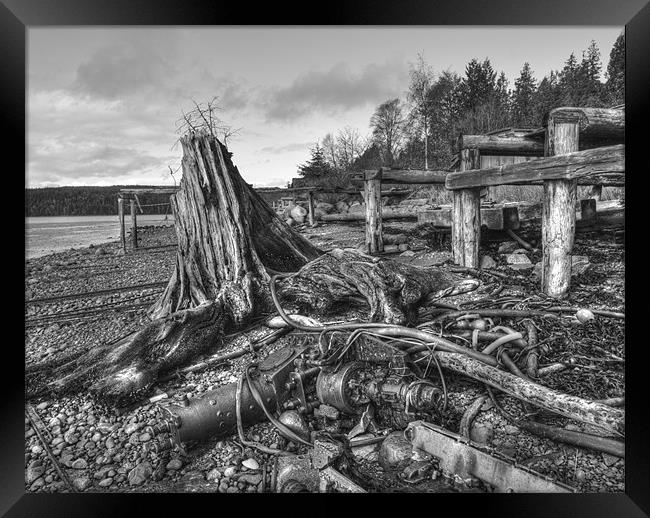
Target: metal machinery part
214	415
464	459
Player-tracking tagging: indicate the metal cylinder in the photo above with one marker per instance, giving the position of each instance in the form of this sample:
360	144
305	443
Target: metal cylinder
332	387
214	415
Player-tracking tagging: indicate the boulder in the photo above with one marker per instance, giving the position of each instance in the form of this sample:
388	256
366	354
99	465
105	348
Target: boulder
138	475
298	214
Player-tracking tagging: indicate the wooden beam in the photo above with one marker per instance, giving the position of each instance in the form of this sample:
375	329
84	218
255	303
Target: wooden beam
150	190
558	213
409	176
502	146
605	166
466	216
595	124
372	198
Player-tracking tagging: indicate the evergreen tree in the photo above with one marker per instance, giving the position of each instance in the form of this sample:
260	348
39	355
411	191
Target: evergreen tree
479	84
317	167
523	99
591	89
502	94
547	97
569	82
615	86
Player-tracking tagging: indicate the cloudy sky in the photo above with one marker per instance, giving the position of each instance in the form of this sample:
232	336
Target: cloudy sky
103	102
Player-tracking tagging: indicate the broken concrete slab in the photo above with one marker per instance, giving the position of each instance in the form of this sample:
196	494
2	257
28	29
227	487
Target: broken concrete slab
518	259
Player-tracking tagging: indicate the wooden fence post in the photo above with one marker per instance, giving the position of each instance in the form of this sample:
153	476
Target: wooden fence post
558	211
372	199
310	204
120	212
466	216
134	225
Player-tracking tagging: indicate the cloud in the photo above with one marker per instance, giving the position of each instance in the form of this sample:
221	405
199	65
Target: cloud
289	148
336	89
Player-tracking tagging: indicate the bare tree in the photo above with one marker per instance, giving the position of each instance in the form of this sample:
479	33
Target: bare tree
204	117
330	150
350	146
388	126
421	81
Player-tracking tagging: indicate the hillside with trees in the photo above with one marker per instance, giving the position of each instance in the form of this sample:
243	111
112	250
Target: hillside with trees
420	130
85	201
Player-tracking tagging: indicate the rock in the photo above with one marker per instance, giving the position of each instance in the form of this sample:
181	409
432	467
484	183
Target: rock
407	253
403	247
100	251
609	460
38	483
251	464
140	473
80	464
33	472
174	464
105	482
579	264
70	437
357	208
517	259
508	247
213	475
81	483
487	263
509	429
325	207
431	258
229	471
395	452
144	437
481	433
232	489
131	428
341	207
289	222
389	249
251	478
581	476
42	406
298	214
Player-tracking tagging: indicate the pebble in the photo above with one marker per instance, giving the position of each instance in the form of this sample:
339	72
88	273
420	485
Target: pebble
42	406
140	474
33	472
106	482
251	478
174	464
80	464
81	483
144	437
251	464
213	474
229	471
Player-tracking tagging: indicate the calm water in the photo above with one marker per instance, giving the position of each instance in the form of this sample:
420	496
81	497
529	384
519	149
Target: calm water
47	235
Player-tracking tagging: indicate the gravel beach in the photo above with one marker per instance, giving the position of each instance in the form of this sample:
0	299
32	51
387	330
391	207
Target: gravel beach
80	298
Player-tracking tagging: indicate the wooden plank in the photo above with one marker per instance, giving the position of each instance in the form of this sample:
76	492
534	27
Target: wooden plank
372	198
605	166
151	190
502	146
558	214
410	176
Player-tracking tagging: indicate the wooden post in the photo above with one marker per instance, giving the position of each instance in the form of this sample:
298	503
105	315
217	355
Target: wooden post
120	212
134	225
466	216
310	203
372	198
588	211
558	211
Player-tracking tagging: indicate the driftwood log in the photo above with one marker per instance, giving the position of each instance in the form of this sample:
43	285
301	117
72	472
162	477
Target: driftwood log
230	242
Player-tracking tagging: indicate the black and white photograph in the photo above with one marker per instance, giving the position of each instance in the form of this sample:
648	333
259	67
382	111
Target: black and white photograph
325	259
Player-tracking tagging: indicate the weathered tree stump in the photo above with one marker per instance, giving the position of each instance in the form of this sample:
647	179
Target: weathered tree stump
229	242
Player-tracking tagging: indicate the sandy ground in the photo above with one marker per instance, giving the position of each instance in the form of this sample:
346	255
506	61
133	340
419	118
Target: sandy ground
100	450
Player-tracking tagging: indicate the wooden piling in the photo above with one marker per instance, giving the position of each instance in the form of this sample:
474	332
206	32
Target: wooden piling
120	212
134	225
466	216
372	198
310	204
558	211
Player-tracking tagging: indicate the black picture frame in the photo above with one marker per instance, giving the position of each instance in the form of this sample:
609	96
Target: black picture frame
19	15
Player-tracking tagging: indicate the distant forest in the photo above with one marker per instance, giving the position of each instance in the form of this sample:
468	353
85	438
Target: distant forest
86	201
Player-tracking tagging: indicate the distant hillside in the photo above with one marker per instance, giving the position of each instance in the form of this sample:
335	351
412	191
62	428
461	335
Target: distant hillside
85	201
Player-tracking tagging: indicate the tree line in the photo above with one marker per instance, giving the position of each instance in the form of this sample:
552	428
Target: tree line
86	201
420	130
